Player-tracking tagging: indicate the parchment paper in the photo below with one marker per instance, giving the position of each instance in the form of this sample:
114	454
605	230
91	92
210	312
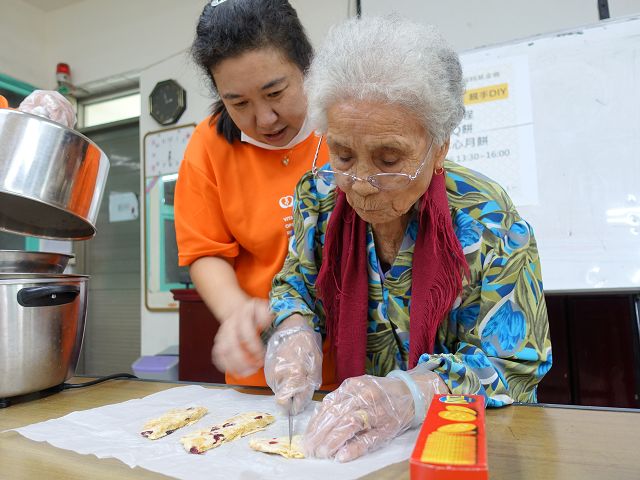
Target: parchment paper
114	431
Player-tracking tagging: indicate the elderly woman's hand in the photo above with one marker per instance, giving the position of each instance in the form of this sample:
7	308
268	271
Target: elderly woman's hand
293	365
51	105
365	413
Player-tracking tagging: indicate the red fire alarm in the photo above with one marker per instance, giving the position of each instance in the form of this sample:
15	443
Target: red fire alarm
63	77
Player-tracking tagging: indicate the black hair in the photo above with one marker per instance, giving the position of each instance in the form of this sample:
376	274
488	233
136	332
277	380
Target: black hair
233	27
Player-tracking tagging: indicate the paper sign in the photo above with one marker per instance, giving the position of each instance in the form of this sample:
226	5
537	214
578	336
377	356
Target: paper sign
123	206
495	136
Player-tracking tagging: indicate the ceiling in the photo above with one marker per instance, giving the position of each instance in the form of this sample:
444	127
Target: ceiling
50	5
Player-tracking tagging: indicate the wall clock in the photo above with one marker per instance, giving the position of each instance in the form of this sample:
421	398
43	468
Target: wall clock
167	102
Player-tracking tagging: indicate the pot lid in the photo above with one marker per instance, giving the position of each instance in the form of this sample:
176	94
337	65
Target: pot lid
40	278
19	261
51	178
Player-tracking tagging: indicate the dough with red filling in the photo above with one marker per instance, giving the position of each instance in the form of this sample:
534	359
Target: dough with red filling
171	421
279	446
235	427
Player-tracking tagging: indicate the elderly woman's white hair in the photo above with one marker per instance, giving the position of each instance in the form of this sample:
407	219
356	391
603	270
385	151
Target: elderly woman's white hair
392	60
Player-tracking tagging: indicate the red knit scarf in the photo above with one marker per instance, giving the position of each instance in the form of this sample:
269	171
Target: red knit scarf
343	286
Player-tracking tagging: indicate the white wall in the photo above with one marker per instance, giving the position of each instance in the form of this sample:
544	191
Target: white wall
22	38
619	8
318	16
115	40
102	39
108	42
469	24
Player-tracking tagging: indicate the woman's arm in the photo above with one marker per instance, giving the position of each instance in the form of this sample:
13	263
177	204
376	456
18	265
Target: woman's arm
293	365
293	289
217	284
502	347
238	348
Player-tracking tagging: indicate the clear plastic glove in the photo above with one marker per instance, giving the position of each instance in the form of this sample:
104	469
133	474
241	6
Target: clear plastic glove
293	366
51	105
365	413
238	348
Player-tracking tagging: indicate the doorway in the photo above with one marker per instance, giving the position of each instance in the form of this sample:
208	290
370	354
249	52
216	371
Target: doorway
112	259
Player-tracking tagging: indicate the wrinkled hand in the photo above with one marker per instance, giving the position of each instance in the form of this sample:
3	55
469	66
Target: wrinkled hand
51	105
293	366
364	414
238	348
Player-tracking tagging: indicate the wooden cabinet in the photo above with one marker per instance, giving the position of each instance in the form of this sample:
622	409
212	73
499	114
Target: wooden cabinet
596	351
198	328
556	386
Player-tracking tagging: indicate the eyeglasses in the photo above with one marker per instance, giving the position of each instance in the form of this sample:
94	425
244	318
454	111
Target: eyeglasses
382	181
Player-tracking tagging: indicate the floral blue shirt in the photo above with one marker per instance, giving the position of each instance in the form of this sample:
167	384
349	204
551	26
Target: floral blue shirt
494	342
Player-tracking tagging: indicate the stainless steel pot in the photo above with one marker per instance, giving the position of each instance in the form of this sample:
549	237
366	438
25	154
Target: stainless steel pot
18	261
51	178
41	328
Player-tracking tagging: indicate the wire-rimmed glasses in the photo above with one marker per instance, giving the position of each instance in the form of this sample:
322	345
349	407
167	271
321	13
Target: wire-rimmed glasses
381	181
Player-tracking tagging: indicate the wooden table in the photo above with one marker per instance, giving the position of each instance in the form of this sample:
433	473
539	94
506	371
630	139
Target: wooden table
525	442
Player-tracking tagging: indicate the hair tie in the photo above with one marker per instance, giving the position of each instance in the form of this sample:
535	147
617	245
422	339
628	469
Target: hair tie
215	3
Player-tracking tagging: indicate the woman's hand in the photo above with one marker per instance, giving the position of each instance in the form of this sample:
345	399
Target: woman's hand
364	414
51	105
293	365
238	348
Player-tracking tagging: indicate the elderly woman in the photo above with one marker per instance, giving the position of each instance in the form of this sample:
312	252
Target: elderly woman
421	272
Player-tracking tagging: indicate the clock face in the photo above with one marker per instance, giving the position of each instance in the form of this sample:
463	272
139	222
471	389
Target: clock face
167	102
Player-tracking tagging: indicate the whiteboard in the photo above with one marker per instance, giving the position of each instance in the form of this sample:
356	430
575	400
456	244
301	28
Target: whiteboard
578	142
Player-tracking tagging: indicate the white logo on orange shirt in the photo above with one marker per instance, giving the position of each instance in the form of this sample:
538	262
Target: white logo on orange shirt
286	202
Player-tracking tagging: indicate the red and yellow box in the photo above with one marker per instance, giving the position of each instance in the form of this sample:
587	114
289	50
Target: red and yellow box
452	444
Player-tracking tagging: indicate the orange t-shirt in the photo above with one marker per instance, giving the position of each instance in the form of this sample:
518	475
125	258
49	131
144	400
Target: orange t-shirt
235	201
3	102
